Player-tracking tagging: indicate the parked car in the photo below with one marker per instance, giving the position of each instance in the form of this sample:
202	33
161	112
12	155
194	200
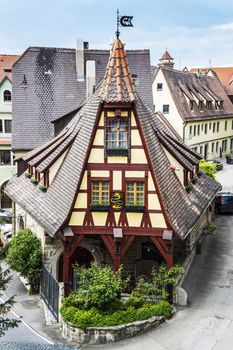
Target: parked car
6	216
224	202
229	158
219	165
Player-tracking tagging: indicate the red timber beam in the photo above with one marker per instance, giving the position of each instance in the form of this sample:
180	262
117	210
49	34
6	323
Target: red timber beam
69	246
117	247
164	250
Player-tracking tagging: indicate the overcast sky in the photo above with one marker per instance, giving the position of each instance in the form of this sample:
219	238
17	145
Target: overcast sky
195	32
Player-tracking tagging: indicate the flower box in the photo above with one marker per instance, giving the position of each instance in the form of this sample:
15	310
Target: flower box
99	207
117	152
134	208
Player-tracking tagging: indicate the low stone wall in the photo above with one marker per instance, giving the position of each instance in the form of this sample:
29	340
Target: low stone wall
101	335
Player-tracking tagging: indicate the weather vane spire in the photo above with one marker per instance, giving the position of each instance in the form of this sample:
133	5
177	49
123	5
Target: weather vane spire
123	21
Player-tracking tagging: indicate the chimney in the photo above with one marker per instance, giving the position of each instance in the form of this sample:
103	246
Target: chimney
90	77
80	60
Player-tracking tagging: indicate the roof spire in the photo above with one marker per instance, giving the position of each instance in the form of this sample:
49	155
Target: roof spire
118	24
118	85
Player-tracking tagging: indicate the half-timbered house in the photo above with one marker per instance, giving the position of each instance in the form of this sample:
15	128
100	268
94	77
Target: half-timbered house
112	186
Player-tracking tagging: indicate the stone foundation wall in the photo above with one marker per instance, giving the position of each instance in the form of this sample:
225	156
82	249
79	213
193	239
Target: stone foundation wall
102	335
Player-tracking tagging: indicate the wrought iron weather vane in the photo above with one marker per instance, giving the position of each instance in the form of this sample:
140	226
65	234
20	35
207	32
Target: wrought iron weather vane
123	21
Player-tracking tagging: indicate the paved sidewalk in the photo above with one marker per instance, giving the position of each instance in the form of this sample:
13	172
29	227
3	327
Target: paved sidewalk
32	329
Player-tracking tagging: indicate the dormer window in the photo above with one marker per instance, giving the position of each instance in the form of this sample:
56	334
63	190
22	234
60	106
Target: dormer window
221	104
200	105
6	96
159	87
117	136
209	104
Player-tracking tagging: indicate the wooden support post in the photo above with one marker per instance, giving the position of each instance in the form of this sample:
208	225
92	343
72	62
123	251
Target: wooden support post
66	266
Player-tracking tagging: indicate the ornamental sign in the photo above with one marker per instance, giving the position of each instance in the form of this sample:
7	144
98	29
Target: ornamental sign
117	202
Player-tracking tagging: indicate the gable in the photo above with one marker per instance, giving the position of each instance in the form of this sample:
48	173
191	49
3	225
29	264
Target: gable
117	171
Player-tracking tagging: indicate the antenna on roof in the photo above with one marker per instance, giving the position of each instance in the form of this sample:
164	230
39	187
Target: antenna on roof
123	21
210	63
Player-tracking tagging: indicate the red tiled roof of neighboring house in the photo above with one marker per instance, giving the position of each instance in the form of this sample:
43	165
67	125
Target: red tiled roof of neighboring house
6	63
225	74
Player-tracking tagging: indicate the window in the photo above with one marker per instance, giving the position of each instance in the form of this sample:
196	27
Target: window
117	136
232	124
201	150
5	157
198	129
194	130
165	109
1	130
210	126
7	125
6	96
217	126
206	125
224	145
202	127
212	147
217	147
100	193
231	144
135	193
209	104
190	130
159	87
214	125
221	104
200	105
226	125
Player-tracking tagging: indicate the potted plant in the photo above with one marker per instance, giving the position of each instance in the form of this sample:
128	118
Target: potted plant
189	187
43	188
28	175
34	180
229	158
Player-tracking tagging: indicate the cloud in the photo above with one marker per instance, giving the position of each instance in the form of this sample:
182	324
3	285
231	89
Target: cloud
227	26
189	46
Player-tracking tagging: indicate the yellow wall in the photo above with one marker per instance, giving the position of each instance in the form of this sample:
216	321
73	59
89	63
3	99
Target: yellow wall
179	168
210	137
54	168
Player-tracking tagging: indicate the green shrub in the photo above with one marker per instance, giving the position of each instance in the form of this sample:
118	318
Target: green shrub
136	299
208	168
156	289
25	256
98	287
94	318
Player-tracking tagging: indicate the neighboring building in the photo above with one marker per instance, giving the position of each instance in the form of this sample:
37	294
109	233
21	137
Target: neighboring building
50	84
111	187
7	169
224	74
196	106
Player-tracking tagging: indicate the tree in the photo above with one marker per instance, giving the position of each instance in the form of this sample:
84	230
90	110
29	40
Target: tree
5	306
208	168
25	256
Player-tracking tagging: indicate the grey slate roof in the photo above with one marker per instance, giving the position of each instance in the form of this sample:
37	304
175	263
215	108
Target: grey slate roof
203	88
52	208
35	346
45	88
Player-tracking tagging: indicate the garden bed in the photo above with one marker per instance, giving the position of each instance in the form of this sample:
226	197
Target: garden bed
101	335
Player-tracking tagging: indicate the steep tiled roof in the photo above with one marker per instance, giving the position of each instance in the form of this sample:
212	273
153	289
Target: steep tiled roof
52	208
185	86
117	83
6	63
45	88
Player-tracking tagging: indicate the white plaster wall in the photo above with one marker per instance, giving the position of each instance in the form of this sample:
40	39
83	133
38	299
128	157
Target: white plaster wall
164	97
